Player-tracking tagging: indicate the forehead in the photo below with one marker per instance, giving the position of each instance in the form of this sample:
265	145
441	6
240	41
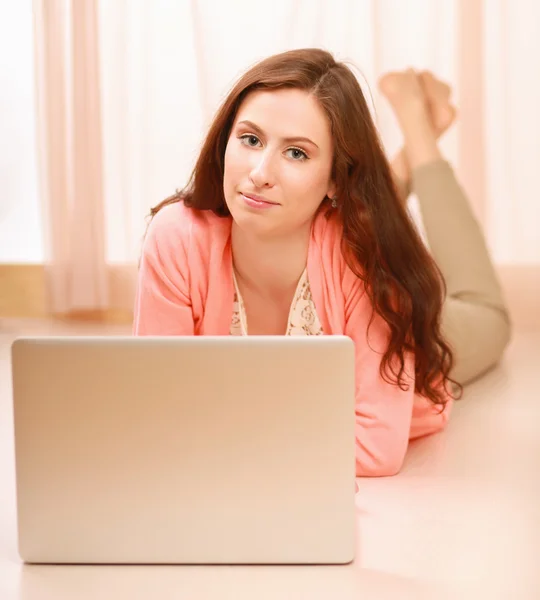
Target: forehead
286	113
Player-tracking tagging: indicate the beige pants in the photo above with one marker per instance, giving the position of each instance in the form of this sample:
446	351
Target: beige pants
475	320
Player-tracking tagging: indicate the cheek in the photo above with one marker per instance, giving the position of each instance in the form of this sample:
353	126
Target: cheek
233	176
308	183
232	165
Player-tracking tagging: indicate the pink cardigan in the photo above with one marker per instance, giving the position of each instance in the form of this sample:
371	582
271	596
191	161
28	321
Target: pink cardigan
185	287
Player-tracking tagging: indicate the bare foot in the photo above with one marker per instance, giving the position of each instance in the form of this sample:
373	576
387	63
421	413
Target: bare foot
403	89
409	90
406	94
443	113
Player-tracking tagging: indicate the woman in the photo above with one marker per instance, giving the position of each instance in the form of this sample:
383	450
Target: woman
291	224
475	319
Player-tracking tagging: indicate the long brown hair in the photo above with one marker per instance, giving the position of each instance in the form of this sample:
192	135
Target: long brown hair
380	242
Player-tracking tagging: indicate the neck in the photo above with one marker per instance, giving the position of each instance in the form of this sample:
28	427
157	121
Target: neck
269	265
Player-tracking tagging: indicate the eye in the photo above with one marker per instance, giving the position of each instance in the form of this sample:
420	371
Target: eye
297	154
249	140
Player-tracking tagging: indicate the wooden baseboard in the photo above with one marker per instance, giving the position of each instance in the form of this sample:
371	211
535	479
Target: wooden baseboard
22	291
23	294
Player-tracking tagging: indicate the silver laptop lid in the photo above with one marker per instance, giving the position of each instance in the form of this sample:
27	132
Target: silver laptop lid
185	450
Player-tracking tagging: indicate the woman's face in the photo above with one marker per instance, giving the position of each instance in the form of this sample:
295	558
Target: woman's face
278	162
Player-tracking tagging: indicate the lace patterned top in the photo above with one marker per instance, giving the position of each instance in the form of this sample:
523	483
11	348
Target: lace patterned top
303	319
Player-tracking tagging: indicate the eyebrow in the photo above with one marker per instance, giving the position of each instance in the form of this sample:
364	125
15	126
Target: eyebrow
288	140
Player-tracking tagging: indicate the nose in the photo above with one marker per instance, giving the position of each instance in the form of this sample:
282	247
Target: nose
263	172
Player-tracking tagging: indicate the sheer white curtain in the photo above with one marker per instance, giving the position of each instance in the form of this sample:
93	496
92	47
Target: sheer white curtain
164	66
512	129
70	157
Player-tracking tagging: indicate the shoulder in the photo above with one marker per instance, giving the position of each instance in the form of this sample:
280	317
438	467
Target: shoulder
327	227
174	226
171	223
335	253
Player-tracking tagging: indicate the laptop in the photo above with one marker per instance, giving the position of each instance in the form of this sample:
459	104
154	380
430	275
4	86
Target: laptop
185	450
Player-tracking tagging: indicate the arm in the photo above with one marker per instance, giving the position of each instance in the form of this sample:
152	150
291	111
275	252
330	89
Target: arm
162	305
383	410
475	318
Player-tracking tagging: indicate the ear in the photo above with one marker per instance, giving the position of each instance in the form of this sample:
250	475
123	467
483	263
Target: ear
332	189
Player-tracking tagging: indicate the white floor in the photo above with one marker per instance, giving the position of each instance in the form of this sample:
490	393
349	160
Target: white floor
462	520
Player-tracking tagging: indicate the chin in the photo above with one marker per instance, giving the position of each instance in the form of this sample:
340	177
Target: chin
254	224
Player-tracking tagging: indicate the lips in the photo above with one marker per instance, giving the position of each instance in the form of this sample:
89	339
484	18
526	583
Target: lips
257	198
